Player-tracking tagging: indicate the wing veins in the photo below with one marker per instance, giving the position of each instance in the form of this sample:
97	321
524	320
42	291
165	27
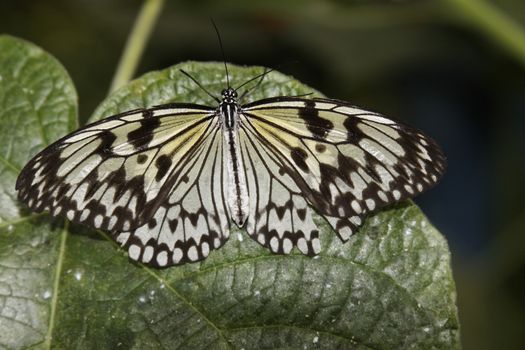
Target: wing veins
158	130
267	150
288	131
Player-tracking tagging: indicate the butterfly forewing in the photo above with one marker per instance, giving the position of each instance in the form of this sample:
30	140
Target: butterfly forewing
113	174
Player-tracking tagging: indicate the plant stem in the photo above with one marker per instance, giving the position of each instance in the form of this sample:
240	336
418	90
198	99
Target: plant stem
495	23
136	42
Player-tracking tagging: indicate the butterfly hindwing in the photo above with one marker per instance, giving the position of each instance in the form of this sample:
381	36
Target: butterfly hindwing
194	219
279	216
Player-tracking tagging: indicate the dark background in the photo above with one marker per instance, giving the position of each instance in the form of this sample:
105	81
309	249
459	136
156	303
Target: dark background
431	63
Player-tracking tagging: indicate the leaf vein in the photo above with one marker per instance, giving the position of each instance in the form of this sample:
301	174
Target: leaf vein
10	165
56	284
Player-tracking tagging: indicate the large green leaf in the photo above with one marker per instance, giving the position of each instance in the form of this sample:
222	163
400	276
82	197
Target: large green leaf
37	105
68	287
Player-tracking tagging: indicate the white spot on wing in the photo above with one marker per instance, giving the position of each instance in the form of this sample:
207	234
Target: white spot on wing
177	255
123	238
192	253
316	245
356	220
302	245
287	246
274	244
356	206
205	249
396	194
162	258
98	220
148	254
134	251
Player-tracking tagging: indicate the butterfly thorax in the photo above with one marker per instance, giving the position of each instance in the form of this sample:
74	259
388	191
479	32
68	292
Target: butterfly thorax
228	108
235	178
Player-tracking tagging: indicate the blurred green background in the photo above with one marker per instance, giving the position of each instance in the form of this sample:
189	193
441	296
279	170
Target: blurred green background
453	68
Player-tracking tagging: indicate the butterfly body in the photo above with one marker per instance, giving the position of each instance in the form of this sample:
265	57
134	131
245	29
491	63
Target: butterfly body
168	182
238	201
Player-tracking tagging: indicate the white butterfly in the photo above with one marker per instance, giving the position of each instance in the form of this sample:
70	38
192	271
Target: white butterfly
169	182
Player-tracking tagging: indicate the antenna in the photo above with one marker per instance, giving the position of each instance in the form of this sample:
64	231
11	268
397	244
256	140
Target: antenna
260	77
222	51
200	85
266	71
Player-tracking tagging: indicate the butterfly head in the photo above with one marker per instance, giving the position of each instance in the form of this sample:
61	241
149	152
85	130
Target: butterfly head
229	95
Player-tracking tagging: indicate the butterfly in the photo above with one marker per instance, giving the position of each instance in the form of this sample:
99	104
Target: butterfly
169	182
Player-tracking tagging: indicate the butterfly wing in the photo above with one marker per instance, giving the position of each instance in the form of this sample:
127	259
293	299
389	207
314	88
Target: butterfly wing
194	218
279	217
114	173
343	161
